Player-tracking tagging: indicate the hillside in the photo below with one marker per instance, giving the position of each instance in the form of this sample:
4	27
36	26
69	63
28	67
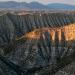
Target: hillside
30	44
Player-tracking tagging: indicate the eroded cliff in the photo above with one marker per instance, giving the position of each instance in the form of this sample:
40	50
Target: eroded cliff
37	42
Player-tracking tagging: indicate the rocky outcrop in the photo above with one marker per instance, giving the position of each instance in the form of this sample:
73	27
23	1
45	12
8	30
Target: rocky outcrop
41	55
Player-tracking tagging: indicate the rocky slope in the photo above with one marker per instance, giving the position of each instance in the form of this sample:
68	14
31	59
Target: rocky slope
41	55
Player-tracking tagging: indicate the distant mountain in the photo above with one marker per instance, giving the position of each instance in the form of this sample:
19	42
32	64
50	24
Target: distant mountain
21	5
13	5
61	6
34	5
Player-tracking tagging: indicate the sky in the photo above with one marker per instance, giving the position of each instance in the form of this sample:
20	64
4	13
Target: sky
71	2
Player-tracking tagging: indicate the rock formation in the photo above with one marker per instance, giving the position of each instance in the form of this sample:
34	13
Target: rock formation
28	45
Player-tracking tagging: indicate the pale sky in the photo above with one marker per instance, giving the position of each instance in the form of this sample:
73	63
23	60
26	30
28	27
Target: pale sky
71	2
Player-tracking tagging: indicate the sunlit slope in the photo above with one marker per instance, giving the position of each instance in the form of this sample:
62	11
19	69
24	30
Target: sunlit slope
69	32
